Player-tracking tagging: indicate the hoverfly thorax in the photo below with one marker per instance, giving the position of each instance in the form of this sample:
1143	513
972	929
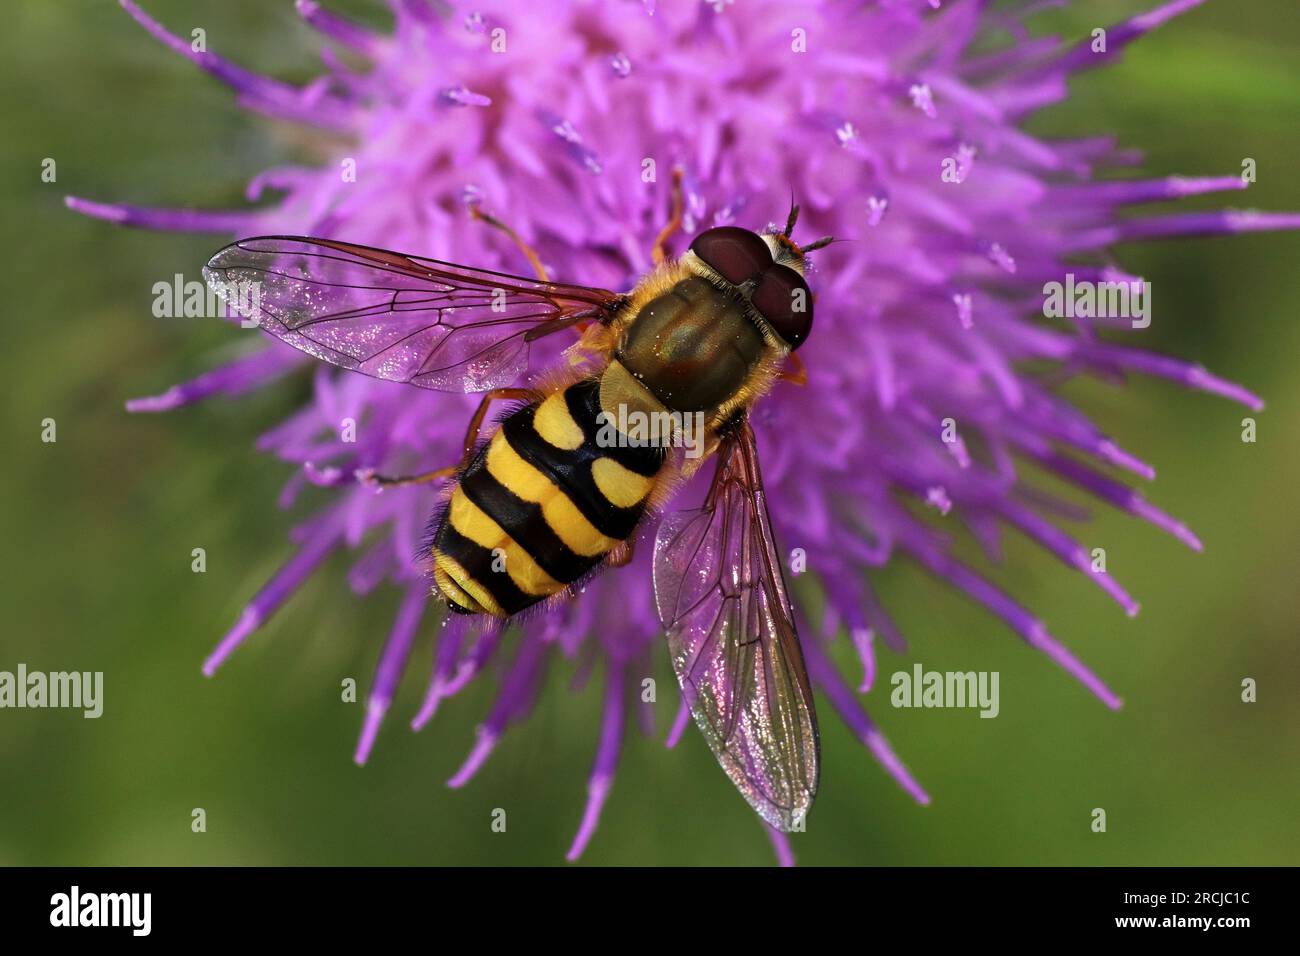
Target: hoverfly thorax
740	299
693	345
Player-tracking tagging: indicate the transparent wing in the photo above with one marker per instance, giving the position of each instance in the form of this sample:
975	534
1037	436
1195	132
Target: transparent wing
403	318
731	634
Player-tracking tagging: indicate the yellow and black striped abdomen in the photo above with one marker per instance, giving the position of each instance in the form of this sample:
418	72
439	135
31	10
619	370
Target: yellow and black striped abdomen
540	506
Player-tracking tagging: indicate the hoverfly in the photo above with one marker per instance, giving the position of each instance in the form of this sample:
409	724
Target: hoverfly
709	332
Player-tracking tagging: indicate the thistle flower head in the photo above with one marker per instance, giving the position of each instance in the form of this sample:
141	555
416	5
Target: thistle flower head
899	128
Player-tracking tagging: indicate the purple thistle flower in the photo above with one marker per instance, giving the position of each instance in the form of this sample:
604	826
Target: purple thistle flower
552	118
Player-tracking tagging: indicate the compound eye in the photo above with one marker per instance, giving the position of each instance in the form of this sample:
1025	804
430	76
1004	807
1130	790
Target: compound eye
735	254
783	299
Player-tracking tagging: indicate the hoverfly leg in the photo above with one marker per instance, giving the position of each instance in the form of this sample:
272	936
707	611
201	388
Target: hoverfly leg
659	253
529	252
475	423
597	340
795	372
621	556
367	476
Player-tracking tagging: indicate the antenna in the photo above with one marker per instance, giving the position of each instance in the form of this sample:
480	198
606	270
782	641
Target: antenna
794	215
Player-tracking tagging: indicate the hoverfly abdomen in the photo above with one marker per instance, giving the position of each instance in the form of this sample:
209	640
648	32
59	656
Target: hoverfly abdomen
540	506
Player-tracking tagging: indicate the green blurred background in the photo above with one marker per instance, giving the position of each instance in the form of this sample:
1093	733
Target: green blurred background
99	527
